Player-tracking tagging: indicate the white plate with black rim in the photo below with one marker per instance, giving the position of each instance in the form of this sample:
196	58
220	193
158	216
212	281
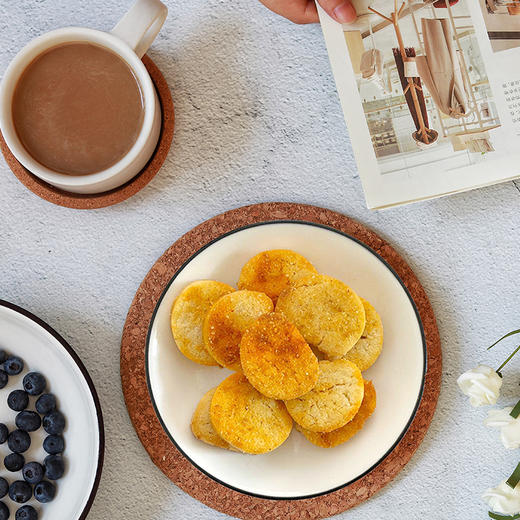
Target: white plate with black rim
297	469
43	350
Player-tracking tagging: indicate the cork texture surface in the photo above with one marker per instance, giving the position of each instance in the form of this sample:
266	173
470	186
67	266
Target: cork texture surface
166	456
121	193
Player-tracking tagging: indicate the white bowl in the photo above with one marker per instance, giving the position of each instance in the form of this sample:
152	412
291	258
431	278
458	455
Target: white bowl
44	350
297	469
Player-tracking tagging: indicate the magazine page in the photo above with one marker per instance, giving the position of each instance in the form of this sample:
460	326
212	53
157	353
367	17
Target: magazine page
430	91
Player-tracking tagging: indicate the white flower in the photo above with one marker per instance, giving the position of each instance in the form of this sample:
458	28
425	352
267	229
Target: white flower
481	384
509	427
503	499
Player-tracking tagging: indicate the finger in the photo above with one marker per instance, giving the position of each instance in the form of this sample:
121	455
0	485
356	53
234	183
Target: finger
297	11
341	10
310	14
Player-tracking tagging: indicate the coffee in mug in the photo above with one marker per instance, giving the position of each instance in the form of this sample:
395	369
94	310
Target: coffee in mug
77	108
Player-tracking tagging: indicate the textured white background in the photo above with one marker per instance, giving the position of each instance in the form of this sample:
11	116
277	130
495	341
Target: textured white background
257	119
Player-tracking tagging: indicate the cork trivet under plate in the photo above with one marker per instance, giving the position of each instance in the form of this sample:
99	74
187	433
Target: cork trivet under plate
157	442
121	193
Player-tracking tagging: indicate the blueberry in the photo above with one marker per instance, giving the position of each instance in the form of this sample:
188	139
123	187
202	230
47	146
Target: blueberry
26	513
14	462
4	511
28	421
54	467
34	383
20	491
4	487
13	365
54	444
44	491
18	441
33	472
3	355
45	403
4	378
54	422
4	432
18	400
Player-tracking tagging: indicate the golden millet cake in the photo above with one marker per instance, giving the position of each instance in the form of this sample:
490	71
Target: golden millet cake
228	319
187	317
368	348
327	312
246	419
273	271
276	359
343	434
333	402
201	424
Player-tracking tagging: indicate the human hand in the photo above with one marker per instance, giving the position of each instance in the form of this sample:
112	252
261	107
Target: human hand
304	11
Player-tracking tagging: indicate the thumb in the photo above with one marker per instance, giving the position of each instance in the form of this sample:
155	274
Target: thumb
341	10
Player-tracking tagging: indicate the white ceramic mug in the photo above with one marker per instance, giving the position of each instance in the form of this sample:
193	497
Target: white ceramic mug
129	39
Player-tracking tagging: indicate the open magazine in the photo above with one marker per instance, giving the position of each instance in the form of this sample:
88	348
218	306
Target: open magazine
430	90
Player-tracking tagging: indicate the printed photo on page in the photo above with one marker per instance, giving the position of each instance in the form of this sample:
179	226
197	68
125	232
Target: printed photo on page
427	89
502	19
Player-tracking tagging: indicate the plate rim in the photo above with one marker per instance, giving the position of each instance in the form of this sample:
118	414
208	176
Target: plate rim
99	414
344	235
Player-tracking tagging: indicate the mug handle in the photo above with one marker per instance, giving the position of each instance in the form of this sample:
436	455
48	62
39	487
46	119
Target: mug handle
140	25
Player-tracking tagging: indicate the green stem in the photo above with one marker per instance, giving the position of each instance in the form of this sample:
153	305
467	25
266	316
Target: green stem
504	337
507	360
495	516
515	412
513	480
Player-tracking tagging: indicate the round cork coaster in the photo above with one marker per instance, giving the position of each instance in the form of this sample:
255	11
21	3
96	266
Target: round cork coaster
121	193
155	440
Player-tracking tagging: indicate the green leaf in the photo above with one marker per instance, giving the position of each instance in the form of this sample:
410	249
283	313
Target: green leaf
513	332
515	412
496	516
507	361
513	480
